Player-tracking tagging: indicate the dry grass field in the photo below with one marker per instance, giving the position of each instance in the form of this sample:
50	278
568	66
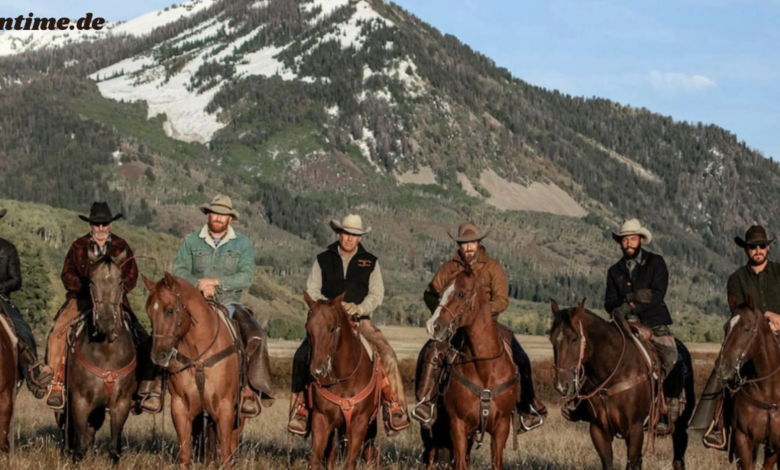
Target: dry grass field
265	443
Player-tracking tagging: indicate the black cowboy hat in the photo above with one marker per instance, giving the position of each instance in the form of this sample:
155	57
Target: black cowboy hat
3	212
100	213
755	235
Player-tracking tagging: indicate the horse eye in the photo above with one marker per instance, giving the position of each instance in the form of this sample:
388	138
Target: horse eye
461	295
333	329
169	312
574	340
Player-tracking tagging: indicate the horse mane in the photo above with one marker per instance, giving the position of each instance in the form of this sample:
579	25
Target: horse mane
564	316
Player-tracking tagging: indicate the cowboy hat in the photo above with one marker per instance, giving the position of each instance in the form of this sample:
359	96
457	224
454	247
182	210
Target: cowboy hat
221	204
633	227
3	212
755	235
468	232
100	213
351	224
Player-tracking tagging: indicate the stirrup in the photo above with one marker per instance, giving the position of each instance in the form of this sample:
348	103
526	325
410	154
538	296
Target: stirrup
533	412
60	388
425	422
393	407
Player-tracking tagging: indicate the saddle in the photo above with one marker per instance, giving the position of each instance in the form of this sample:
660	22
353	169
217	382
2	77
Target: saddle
8	326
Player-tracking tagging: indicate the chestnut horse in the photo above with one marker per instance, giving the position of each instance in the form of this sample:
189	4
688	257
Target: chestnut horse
8	386
755	400
192	342
345	394
598	366
484	387
101	365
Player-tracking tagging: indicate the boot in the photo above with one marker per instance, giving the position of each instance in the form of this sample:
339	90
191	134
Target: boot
250	408
38	376
256	349
531	416
55	398
427	378
299	415
150	392
666	423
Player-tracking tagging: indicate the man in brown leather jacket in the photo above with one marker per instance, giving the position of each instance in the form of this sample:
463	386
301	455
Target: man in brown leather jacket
491	276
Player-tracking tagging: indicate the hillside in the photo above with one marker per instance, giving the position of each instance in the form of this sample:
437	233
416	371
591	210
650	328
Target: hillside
304	110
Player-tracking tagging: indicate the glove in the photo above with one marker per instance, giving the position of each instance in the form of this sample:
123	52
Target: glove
644	296
352	309
621	312
631	297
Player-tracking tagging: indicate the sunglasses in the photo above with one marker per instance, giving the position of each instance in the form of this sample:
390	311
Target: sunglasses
762	246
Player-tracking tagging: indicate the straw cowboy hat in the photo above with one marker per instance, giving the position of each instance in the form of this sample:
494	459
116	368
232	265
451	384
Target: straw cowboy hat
100	214
468	232
221	204
3	212
633	227
351	224
755	235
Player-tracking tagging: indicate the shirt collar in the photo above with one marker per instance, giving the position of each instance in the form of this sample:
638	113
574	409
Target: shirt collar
99	250
206	236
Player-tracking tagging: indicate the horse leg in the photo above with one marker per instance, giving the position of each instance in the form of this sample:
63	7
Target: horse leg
321	431
460	445
79	419
680	445
182	422
118	412
225	420
603	443
744	450
6	412
331	451
497	443
356	435
770	458
634	441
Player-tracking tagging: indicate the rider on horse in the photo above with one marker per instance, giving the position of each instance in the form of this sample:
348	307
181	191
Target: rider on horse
37	376
220	263
760	279
636	286
76	279
346	267
491	276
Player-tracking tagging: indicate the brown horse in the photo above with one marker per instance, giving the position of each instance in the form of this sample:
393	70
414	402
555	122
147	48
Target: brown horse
346	391
755	418
481	399
599	367
8	386
191	341
101	367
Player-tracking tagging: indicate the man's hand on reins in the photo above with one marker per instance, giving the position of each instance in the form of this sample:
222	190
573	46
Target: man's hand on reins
774	320
208	286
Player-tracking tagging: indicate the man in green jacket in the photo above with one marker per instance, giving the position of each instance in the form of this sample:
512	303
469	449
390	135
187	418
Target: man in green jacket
220	263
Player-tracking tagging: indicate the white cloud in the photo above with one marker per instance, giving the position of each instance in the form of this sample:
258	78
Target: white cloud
673	82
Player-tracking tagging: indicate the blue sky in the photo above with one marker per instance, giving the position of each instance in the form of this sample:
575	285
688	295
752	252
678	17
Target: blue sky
715	61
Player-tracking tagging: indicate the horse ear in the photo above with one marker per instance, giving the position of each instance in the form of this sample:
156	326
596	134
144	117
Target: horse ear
581	306
750	302
309	301
554	306
340	299
732	300
120	258
467	269
150	285
169	282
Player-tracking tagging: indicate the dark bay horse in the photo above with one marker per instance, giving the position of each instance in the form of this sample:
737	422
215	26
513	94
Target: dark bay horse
194	344
601	368
484	387
8	387
101	365
345	395
755	418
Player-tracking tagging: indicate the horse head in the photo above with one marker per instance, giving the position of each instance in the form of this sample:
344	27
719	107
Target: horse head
740	342
169	316
106	288
324	324
569	352
458	306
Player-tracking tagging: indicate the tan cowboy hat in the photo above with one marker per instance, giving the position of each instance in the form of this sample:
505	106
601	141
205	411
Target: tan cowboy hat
633	227
755	235
468	232
221	204
3	212
352	224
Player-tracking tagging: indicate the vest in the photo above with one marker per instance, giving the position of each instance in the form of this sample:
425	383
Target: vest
358	273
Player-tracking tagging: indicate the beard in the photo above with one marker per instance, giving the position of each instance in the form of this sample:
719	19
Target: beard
757	259
100	235
629	256
217	226
469	256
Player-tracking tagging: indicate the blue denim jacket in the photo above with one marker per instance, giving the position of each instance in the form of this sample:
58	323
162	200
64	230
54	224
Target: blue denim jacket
232	262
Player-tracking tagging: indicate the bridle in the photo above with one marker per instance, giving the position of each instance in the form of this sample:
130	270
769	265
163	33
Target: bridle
334	344
742	359
177	334
116	307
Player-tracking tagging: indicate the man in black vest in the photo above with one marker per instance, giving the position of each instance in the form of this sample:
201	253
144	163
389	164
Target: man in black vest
347	267
636	286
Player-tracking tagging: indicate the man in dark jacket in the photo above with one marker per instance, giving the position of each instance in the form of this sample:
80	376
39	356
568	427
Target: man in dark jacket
37	376
76	273
636	286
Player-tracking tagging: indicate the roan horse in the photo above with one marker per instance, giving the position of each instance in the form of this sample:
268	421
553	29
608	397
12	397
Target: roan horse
345	394
8	386
101	365
192	342
483	395
755	417
600	367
